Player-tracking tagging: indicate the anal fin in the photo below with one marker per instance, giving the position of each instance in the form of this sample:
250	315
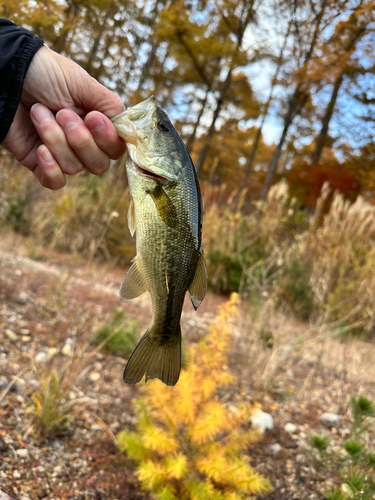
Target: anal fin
133	285
198	287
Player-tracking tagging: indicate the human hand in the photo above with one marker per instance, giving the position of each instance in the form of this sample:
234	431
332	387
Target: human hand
79	136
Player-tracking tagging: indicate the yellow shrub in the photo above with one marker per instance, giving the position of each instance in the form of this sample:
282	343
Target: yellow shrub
189	444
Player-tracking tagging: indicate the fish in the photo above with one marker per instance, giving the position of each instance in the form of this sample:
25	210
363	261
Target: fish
165	213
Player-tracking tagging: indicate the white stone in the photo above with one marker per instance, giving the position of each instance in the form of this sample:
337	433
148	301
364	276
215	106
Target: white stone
22	298
10	334
22	452
275	448
67	349
41	357
94	376
290	428
261	420
5	496
330	420
16	474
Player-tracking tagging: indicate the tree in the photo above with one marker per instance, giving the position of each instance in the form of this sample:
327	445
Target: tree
306	39
188	443
344	62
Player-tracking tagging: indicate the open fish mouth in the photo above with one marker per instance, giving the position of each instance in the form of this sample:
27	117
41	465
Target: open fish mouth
148	173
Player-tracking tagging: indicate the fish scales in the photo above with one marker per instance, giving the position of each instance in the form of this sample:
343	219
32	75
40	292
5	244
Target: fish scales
166	213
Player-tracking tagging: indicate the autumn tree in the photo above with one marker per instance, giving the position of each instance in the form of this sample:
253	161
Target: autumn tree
308	25
344	60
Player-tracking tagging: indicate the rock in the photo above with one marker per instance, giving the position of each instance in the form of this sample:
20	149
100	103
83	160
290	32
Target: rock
5	496
275	448
11	335
96	427
330	420
16	474
3	383
68	348
94	376
25	338
40	471
41	357
22	452
22	298
261	420
290	428
33	383
20	398
56	444
58	471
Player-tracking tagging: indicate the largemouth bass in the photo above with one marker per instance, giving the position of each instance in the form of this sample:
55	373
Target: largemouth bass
166	213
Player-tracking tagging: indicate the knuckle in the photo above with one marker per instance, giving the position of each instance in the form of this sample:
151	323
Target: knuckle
52	136
81	140
72	168
100	167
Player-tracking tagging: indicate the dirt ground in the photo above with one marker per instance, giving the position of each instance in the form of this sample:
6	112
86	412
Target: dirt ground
46	301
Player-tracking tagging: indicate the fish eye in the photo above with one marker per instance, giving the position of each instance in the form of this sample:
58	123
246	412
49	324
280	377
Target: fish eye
162	127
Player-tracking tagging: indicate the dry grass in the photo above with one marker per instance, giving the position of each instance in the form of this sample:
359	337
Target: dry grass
317	267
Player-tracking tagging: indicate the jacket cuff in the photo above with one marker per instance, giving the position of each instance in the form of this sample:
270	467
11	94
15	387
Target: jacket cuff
12	77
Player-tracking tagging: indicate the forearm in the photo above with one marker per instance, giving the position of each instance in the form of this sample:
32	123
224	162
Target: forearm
17	48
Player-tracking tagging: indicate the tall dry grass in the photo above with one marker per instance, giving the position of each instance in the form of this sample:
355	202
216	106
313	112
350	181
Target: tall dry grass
88	217
318	267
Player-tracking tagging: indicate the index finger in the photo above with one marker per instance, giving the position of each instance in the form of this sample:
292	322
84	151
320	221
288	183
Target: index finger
105	135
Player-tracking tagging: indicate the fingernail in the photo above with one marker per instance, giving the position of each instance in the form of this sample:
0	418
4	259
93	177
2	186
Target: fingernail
99	126
46	155
71	124
41	114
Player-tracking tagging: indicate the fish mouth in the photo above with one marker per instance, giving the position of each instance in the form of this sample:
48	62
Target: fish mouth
148	173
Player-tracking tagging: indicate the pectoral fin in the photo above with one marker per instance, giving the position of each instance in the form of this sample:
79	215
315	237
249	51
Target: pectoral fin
165	207
133	285
131	217
198	287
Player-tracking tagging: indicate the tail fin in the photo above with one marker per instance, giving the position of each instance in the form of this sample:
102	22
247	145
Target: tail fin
155	359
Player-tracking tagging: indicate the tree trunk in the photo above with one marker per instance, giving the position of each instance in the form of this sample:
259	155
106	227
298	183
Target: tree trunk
244	21
191	140
296	103
251	158
321	139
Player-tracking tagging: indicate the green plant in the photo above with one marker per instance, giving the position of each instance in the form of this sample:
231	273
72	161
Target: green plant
16	215
189	444
51	410
353	447
294	287
358	481
121	335
319	442
363	411
356	484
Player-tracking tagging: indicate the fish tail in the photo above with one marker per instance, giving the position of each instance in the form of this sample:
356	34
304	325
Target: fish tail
155	357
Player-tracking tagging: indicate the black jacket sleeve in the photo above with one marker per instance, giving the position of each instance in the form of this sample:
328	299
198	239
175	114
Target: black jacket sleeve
17	48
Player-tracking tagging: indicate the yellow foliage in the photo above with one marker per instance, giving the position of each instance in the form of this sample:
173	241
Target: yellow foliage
177	466
188	443
212	421
151	474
